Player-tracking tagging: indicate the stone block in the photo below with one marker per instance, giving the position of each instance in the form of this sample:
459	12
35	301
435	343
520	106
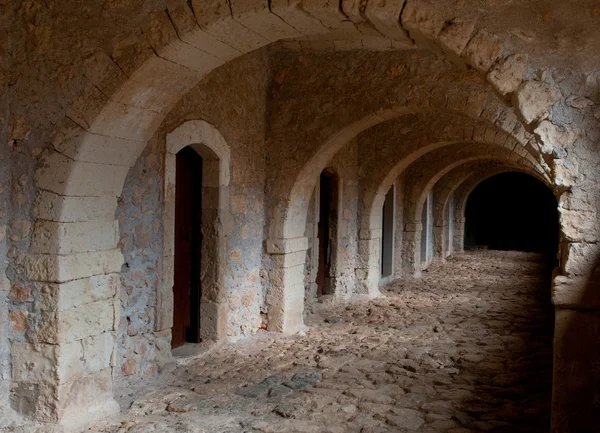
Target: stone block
289	260
183	19
72	140
256	16
533	100
454	37
214	17
77	237
293	13
483	50
286	246
53	207
423	23
74	293
98	352
385	17
287	276
53	268
64	176
79	322
213	320
508	75
163	38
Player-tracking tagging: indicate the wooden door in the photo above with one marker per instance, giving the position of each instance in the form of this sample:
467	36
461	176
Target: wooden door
186	288
323	231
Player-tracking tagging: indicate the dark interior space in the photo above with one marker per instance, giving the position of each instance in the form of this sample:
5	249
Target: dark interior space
512	211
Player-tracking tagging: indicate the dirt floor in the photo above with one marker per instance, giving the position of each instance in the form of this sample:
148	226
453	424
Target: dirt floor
465	348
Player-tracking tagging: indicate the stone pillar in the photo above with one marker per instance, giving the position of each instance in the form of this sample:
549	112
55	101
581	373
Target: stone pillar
438	243
368	266
411	251
459	235
64	374
285	298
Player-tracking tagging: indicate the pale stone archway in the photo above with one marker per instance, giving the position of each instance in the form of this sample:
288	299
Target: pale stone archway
206	140
109	125
443	196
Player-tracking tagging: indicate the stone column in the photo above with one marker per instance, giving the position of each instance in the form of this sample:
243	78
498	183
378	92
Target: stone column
64	374
368	266
285	298
411	250
459	234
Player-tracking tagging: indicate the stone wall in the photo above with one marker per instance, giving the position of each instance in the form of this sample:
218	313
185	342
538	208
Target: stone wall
236	108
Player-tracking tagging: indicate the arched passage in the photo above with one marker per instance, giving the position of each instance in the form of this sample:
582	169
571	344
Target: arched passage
512	211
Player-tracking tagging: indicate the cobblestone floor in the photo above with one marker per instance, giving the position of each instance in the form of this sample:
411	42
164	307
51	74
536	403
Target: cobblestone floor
466	348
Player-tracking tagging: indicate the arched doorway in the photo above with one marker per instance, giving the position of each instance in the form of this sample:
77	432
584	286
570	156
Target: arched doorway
387	236
187	289
512	211
327	232
192	296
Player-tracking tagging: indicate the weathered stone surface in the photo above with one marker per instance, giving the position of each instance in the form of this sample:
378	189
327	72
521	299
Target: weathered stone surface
533	100
508	75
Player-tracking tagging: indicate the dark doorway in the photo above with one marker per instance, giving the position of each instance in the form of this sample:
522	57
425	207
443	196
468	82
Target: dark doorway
387	235
188	239
425	231
512	211
327	230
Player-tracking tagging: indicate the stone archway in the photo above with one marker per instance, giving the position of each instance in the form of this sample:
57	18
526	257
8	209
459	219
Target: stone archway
216	173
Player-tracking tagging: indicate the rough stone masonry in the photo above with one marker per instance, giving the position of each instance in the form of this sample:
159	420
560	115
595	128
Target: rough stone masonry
426	99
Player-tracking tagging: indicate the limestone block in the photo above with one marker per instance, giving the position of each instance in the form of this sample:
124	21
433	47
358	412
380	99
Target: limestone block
183	19
131	123
508	75
213	320
581	260
285	277
87	107
51	268
384	15
64	176
534	99
285	246
257	16
170	79
375	233
292	12
454	37
66	238
579	226
74	293
575	293
72	140
423	23
35	363
289	260
483	50
53	207
214	17
91	395
162	37
98	351
80	322
551	136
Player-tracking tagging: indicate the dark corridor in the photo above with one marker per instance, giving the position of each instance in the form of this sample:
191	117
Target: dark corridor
512	211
